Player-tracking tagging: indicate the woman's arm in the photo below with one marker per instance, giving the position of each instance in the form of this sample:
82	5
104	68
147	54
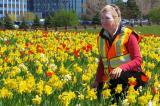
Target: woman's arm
134	51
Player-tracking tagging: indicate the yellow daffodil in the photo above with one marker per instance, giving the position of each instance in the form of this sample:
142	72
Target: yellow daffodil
81	97
37	100
118	88
66	97
39	70
91	94
106	93
131	98
47	89
39	87
5	93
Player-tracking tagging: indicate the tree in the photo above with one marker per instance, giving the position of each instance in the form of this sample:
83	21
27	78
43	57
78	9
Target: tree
2	22
36	22
92	8
29	16
65	18
12	17
48	23
123	8
96	19
154	16
129	10
132	10
23	25
8	24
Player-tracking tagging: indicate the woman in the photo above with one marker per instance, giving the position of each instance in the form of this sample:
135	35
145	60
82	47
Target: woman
120	56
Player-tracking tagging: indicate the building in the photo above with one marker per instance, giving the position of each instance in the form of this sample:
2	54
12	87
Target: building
76	5
30	5
43	7
15	8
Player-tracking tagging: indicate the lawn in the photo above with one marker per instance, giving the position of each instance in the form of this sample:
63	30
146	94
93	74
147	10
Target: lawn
154	29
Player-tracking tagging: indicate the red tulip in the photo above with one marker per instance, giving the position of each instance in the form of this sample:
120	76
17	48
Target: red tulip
49	73
40	49
76	53
144	78
45	34
154	90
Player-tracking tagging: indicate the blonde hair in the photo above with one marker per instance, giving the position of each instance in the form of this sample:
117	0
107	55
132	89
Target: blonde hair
114	8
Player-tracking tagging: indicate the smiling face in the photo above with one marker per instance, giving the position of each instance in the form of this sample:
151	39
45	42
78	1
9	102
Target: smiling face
109	18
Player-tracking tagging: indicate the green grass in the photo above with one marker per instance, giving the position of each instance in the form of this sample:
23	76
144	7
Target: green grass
154	29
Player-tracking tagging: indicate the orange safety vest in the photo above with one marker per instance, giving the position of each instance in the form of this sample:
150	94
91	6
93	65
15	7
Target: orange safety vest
116	54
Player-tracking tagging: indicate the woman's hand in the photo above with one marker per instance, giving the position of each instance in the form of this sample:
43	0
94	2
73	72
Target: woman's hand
115	73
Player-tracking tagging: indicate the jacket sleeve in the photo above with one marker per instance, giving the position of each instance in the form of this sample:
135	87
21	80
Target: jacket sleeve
100	72
134	50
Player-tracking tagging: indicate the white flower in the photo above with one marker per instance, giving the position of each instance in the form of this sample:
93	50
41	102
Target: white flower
53	67
5	39
78	104
125	102
150	103
22	66
140	89
96	60
42	55
67	77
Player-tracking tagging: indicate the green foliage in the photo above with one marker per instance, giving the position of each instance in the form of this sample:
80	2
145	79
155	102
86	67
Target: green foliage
129	10
65	18
1	22
133	10
29	16
153	15
23	25
7	22
36	23
123	8
49	21
96	19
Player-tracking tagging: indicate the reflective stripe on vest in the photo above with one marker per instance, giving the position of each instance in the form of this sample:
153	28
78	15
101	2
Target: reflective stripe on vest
102	49
103	45
105	62
117	61
123	37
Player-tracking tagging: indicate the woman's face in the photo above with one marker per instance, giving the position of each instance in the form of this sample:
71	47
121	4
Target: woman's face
108	20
